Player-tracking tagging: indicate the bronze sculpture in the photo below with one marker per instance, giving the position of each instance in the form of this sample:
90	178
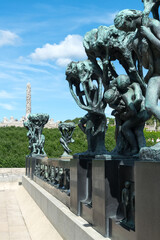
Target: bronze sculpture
35	125
66	130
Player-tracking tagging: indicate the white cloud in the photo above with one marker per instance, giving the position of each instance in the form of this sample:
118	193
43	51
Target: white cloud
62	53
6	106
63	61
4	94
8	38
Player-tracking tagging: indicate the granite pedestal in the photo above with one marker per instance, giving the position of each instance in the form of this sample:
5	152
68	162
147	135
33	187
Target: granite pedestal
96	185
147	192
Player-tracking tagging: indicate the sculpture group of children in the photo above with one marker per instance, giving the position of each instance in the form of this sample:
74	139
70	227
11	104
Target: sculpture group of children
134	40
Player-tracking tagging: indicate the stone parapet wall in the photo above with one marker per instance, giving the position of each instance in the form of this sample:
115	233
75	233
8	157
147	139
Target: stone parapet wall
11	174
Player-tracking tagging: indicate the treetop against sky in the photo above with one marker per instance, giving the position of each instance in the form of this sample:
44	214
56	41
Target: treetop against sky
37	41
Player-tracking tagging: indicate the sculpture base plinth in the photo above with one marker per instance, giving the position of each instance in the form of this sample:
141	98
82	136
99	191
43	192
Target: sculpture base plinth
147	202
107	157
78	178
87	213
96	185
119	232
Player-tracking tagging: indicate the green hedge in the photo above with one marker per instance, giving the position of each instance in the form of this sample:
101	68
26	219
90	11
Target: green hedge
14	144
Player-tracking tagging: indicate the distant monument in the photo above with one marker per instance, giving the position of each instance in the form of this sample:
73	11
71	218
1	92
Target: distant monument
19	123
28	99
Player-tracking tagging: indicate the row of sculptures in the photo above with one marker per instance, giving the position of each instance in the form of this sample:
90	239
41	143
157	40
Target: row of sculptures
35	124
56	176
134	41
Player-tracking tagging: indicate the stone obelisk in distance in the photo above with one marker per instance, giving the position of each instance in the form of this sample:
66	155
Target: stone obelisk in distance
28	99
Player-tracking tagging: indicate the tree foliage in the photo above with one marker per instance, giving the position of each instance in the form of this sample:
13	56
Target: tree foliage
14	143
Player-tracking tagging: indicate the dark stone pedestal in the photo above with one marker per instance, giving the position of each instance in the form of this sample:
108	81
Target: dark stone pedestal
120	233
30	166
104	193
33	165
96	185
108	179
79	168
147	200
28	159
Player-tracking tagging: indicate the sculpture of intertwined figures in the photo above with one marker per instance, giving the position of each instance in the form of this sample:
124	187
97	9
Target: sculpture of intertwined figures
95	83
134	41
146	44
85	82
129	111
66	129
125	94
35	125
110	44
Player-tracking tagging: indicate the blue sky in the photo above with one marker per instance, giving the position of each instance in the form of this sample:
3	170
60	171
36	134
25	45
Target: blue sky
37	40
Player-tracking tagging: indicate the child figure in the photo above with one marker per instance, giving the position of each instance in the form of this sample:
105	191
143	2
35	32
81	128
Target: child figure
130	113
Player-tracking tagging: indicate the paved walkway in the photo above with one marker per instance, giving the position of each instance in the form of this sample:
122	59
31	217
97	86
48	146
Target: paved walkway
20	217
12	223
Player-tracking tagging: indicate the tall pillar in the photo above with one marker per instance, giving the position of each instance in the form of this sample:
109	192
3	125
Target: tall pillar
28	99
